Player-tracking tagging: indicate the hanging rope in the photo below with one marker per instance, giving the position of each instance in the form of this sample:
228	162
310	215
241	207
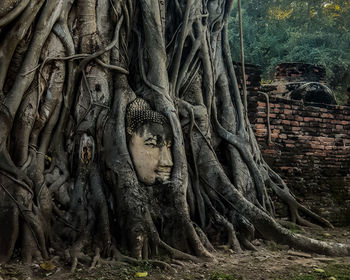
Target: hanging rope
242	60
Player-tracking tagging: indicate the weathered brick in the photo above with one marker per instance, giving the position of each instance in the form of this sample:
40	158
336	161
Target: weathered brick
338	126
327	116
260	120
260	114
275	121
326	139
259	126
315	114
283	136
269	151
261	131
304	138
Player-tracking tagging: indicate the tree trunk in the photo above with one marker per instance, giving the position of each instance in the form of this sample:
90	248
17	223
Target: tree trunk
80	83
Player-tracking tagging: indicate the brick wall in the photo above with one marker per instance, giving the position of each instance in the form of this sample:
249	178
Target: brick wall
310	149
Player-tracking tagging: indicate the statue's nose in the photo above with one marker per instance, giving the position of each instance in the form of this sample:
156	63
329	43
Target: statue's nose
165	158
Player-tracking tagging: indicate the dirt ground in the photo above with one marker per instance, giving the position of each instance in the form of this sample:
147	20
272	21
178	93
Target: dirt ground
271	261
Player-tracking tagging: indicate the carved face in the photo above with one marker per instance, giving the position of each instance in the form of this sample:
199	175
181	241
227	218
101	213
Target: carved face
150	149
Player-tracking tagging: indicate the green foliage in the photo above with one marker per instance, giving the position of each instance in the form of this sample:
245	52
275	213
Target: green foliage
316	32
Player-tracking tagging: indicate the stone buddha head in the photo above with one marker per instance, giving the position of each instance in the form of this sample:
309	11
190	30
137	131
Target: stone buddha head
149	139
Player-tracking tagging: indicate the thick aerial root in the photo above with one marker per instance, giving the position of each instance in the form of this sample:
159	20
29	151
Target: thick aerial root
217	218
49	15
244	229
96	259
74	265
13	13
125	259
291	225
119	259
162	265
34	226
176	254
247	244
100	207
204	239
283	193
17	33
30	249
77	255
54	187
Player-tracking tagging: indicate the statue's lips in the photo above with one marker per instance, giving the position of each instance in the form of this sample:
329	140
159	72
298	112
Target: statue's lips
164	172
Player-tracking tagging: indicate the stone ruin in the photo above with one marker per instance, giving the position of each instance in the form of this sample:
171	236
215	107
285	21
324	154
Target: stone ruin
310	136
300	81
253	76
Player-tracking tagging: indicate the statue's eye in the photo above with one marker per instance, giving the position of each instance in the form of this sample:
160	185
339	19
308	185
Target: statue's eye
150	144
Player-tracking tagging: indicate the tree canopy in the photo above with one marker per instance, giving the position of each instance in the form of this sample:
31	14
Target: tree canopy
316	32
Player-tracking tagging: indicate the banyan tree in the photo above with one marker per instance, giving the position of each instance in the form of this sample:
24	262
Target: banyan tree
122	129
